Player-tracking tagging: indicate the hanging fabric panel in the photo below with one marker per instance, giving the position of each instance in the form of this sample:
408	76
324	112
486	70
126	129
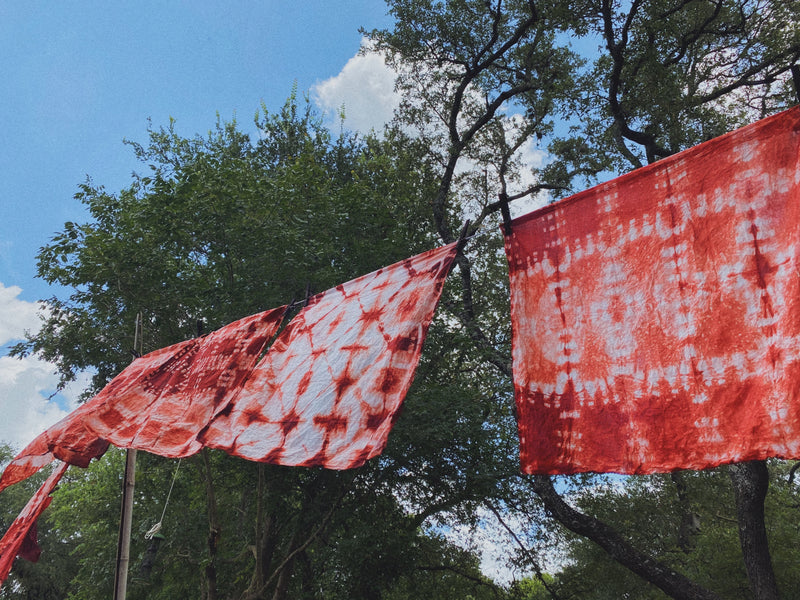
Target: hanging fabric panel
68	440
159	403
330	387
20	537
656	318
162	408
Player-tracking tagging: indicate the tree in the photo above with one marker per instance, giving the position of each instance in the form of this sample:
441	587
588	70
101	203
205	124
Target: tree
668	75
221	227
224	226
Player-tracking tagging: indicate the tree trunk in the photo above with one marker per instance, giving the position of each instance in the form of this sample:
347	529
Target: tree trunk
264	548
690	520
750	484
669	581
213	529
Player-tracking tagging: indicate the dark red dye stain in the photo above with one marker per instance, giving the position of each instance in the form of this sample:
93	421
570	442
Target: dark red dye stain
289	422
360	458
332	424
374	420
252	415
112	418
409	305
255	346
335	323
303	385
226	412
219	395
408	264
372	315
392	379
318	460
275	456
402	344
355	348
763	268
343	383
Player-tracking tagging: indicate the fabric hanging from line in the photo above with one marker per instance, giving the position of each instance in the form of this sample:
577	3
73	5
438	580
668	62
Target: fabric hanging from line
159	403
656	318
326	394
330	388
20	540
161	410
68	440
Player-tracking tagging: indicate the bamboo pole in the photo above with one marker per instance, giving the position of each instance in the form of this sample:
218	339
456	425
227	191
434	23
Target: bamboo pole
126	515
126	519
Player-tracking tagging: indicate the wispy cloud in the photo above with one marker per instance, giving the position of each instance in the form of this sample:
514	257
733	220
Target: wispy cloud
16	316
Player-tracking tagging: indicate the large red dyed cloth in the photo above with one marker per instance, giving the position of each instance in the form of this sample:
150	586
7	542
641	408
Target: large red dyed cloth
656	318
159	403
329	390
14	541
162	408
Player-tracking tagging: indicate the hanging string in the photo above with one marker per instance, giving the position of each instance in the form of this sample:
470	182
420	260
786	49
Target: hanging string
157	527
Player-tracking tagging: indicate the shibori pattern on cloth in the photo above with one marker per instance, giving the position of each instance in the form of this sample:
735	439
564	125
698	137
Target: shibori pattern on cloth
68	440
162	409
331	386
159	403
656	318
12	543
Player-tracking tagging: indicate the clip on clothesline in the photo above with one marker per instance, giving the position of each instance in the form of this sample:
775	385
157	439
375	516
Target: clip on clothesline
304	302
796	78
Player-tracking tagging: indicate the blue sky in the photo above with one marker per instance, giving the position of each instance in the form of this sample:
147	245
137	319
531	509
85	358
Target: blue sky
76	78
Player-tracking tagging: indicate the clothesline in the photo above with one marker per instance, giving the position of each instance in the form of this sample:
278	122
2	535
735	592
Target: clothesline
655	322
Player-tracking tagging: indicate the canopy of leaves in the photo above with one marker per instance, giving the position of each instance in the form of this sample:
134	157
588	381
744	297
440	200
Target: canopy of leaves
225	225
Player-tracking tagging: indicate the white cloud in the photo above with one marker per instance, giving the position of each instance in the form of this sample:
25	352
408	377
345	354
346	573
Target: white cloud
365	87
16	316
25	387
26	384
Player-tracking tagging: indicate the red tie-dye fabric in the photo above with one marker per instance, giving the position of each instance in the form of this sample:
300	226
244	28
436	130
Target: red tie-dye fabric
15	538
330	388
159	403
656	318
68	440
162	408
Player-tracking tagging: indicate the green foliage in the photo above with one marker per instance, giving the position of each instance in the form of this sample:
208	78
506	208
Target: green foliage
669	75
222	227
688	521
218	227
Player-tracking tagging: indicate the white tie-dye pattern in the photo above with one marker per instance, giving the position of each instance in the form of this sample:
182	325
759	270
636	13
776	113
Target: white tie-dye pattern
687	296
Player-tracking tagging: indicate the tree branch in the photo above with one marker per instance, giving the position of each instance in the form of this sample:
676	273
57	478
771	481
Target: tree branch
660	575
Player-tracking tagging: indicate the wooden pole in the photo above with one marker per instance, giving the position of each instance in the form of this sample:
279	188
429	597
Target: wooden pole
126	519
126	516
